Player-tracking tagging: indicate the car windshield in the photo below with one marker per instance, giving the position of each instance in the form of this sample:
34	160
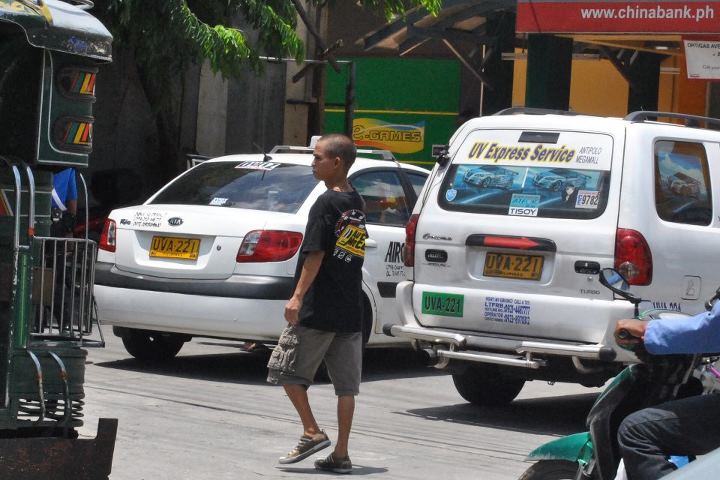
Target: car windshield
269	186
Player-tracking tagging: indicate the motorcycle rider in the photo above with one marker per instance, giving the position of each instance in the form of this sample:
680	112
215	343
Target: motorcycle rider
687	426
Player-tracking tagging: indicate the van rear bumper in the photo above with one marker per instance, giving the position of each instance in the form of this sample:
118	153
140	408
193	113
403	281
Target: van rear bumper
488	348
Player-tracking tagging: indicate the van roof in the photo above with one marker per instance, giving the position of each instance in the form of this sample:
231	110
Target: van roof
556	119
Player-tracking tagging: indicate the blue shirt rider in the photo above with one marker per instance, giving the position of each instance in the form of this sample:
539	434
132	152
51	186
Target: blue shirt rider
688	426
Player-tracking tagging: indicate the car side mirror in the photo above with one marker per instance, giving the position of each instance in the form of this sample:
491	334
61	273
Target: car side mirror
441	154
618	284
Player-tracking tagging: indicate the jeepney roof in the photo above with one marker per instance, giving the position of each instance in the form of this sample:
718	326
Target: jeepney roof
61	26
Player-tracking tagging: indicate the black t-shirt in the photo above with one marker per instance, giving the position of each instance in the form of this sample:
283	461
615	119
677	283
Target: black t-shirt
336	226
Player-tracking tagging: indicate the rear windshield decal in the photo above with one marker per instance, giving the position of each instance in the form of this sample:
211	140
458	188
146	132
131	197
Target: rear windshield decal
257	165
512	148
525	191
218	201
524	205
587	199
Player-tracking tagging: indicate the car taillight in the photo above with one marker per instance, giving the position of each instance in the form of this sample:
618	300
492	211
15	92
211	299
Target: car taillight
269	246
633	258
108	236
409	249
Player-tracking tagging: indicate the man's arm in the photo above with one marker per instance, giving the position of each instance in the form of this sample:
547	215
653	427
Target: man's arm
696	334
71	207
310	269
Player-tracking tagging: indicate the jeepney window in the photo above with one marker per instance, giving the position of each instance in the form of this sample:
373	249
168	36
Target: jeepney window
566	175
682	183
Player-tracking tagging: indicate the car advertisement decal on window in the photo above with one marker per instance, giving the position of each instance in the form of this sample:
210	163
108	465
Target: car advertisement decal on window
218	201
510	176
681	183
587	199
578	156
524	205
257	165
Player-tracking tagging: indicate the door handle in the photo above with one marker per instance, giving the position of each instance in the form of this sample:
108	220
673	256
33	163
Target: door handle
370	243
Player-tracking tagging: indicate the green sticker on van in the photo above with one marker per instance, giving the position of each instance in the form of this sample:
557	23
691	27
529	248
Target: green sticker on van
445	304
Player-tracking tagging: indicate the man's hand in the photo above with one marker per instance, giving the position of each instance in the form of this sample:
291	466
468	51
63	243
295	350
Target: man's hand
292	310
630	333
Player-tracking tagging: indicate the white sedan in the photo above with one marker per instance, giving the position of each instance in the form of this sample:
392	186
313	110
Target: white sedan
213	253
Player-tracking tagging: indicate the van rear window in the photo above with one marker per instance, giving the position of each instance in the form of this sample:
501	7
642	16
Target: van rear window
506	173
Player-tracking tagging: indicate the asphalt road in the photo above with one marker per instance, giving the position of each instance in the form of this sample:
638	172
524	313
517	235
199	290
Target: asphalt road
210	415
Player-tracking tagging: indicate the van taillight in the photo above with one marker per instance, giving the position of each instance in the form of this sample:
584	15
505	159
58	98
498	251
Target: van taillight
633	257
268	246
108	236
409	249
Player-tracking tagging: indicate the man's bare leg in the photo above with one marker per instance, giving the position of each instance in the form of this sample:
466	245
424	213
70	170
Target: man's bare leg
299	398
345	412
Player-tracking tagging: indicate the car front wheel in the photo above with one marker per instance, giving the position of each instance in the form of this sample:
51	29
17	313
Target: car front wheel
485	385
152	347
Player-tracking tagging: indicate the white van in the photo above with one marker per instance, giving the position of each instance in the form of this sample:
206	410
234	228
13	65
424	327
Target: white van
515	223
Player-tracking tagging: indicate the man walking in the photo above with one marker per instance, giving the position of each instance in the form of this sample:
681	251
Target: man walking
325	311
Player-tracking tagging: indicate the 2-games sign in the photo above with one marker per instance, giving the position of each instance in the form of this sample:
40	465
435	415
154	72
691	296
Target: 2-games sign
641	16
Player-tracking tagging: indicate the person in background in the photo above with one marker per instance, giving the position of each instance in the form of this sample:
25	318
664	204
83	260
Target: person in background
64	203
324	314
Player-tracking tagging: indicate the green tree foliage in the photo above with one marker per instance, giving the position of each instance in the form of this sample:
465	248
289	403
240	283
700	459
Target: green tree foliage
164	37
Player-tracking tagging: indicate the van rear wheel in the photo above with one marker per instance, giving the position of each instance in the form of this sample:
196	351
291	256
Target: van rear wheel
152	347
485	385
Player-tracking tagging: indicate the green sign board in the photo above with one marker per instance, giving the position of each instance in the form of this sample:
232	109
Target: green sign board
402	105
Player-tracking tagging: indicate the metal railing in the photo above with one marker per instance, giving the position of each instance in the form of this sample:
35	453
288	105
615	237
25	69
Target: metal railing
63	288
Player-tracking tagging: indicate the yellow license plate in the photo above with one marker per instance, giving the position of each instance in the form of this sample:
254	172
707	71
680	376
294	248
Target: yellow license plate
175	247
524	267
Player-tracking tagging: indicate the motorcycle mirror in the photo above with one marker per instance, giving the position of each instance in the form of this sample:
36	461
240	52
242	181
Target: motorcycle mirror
616	282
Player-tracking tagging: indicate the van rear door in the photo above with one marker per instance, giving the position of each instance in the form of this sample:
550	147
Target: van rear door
522	222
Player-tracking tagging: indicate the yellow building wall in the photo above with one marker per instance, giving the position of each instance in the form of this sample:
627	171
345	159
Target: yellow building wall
597	88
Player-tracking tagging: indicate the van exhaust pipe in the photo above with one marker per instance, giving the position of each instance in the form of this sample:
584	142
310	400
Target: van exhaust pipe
429	356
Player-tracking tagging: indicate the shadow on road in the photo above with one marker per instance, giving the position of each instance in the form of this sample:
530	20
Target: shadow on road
561	415
250	368
357	470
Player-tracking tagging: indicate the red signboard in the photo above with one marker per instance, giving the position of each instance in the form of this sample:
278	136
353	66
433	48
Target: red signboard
641	16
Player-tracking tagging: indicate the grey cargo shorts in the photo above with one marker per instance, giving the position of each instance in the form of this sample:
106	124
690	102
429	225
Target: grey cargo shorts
300	350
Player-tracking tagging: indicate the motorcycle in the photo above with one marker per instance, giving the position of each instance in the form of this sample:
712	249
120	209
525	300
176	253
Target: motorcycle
594	455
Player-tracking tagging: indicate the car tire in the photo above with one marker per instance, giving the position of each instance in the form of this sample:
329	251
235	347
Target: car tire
485	385
152	347
551	470
557	186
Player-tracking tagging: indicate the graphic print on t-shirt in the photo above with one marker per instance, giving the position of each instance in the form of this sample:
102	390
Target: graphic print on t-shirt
350	232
